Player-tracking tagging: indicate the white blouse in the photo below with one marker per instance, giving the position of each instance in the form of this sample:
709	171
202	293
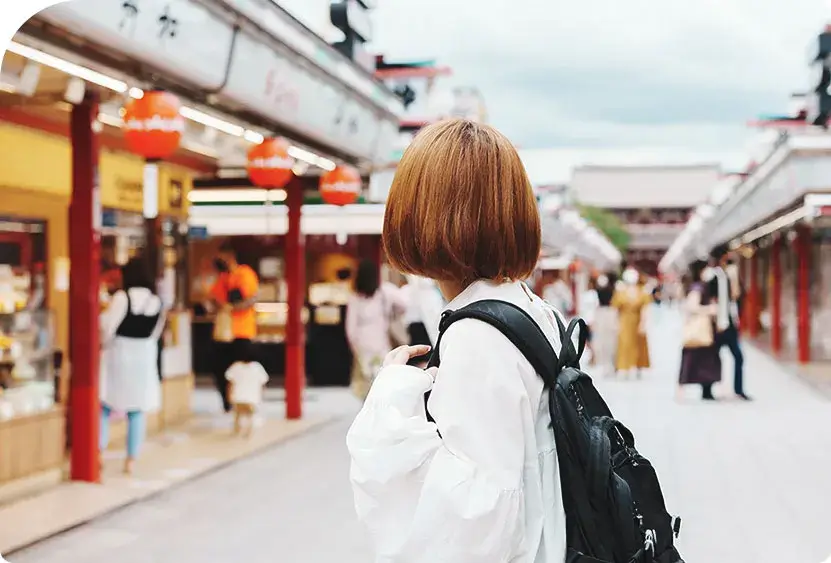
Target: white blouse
488	489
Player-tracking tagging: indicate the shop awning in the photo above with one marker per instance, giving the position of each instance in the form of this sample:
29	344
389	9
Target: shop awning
232	220
787	187
247	63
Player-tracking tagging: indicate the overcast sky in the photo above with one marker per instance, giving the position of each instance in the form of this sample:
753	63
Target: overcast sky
665	79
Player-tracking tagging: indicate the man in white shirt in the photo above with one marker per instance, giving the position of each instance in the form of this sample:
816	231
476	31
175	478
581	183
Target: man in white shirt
727	316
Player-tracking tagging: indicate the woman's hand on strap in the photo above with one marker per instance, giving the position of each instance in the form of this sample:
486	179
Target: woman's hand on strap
403	354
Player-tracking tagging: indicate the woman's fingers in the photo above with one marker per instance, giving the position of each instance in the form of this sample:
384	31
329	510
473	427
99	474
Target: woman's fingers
401	355
419	350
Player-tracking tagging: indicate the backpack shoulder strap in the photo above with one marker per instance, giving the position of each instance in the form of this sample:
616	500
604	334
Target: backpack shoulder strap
517	326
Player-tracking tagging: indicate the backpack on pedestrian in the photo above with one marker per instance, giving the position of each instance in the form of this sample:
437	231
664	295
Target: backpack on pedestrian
615	511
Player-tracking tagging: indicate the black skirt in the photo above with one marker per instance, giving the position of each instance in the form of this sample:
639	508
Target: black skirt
700	365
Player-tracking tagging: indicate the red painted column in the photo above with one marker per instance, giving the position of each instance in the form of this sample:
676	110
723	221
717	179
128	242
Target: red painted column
85	273
752	305
296	288
776	294
803	292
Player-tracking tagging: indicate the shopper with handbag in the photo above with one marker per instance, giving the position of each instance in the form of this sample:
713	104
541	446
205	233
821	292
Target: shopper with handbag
700	361
371	325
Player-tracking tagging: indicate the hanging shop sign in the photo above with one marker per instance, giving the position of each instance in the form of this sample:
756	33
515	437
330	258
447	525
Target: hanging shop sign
293	79
341	186
183	38
275	84
269	164
153	126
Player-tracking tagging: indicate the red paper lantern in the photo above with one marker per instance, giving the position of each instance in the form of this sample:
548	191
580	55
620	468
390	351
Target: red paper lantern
269	164
153	126
341	186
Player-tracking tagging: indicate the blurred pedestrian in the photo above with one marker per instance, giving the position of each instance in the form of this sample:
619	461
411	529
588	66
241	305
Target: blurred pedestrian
370	314
130	330
589	304
605	326
557	293
247	378
727	317
646	285
630	301
234	296
481	483
700	360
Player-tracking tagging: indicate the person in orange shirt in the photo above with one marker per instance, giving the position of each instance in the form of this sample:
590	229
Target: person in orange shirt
236	291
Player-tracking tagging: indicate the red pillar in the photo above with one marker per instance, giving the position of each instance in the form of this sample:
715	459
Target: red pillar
803	292
85	271
776	294
296	288
752	306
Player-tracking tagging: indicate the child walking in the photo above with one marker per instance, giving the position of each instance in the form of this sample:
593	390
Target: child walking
247	379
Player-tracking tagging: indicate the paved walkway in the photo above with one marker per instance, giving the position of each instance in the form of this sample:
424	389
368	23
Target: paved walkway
750	481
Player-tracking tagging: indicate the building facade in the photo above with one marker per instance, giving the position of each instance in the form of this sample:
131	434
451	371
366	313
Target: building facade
653	202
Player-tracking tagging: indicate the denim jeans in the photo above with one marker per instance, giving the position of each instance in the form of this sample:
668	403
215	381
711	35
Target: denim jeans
135	431
730	338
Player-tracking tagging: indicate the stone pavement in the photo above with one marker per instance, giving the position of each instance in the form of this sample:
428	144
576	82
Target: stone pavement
750	481
203	445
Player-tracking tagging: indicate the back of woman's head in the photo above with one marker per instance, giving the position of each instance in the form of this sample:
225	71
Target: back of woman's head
366	279
696	268
136	274
461	207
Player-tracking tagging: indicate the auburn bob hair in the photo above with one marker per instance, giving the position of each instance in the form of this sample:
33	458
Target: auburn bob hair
461	207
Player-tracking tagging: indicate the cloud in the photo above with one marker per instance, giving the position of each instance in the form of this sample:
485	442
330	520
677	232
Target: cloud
607	74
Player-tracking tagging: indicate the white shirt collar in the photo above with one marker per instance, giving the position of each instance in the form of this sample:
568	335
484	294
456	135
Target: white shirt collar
485	289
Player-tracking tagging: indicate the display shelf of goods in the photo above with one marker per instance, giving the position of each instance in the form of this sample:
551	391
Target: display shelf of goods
27	378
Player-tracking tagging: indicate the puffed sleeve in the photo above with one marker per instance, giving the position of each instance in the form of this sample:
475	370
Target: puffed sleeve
454	495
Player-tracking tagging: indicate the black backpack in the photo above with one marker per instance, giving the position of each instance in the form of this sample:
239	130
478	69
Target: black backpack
615	510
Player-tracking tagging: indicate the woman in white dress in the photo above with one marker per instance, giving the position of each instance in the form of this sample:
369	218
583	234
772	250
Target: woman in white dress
481	484
130	331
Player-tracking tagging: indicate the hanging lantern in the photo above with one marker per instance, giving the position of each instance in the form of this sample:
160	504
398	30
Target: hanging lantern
269	164
341	186
153	126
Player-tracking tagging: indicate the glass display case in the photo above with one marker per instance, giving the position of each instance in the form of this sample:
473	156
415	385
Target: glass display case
271	321
27	374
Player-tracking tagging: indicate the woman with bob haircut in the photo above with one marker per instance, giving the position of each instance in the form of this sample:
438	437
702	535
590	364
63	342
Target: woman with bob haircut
481	484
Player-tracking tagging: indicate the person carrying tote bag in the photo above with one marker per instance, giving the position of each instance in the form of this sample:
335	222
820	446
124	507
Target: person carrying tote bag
700	361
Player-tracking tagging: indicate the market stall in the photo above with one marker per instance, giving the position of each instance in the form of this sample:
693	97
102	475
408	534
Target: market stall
336	239
100	84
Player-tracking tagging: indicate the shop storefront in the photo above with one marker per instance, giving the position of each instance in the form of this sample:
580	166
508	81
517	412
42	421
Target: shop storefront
35	315
273	73
336	239
777	220
33	321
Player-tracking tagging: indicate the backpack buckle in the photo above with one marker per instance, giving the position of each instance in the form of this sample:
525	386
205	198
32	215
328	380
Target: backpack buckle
676	525
649	541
